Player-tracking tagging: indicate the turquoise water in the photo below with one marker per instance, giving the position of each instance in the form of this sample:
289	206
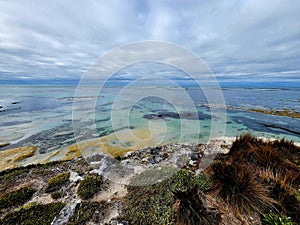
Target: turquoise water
31	110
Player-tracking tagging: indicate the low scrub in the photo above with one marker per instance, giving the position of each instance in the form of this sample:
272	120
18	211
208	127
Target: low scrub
165	202
56	182
84	212
16	198
36	214
90	186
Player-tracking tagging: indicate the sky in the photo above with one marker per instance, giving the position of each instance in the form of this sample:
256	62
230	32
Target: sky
240	40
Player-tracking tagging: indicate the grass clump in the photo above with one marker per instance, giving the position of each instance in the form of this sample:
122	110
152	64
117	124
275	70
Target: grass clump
237	185
89	186
279	155
55	183
170	201
84	212
16	198
37	214
49	165
275	219
259	176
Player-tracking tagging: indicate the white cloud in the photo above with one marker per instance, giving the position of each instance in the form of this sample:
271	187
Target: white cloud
236	38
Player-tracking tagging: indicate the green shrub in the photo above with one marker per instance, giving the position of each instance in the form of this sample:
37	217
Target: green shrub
274	219
35	215
153	204
13	173
84	212
48	165
17	197
56	182
56	195
184	180
89	186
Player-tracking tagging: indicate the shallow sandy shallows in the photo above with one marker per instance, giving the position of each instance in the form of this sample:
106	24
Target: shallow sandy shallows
115	144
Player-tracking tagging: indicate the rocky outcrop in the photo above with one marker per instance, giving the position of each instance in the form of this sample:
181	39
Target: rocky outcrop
117	174
177	181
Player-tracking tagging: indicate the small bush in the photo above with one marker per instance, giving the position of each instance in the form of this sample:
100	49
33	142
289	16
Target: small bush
89	186
149	205
35	215
17	197
274	219
12	174
84	212
154	204
185	180
56	182
49	165
56	195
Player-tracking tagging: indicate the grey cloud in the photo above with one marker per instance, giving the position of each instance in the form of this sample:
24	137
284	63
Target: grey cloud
52	39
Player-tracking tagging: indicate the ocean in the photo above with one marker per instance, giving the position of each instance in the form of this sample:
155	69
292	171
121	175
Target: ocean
54	116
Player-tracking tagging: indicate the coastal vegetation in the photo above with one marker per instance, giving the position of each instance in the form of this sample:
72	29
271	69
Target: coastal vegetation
17	197
89	186
56	182
154	204
254	178
35	214
274	219
84	212
253	182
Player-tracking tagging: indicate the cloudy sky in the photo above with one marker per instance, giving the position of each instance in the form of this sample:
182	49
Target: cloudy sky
246	40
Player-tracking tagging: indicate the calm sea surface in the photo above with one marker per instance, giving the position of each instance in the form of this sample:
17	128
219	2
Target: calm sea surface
31	114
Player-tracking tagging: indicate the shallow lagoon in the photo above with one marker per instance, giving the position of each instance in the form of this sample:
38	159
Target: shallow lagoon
30	114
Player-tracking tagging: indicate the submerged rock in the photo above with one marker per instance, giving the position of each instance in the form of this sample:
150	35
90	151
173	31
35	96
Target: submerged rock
3	143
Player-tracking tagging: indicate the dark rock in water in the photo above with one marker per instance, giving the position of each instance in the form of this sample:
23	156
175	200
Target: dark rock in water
49	140
182	115
162	115
3	144
281	128
67	120
12	109
12	123
102	120
270	125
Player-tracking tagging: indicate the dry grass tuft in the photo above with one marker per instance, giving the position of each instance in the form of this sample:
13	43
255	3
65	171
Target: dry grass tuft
190	209
238	186
257	175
